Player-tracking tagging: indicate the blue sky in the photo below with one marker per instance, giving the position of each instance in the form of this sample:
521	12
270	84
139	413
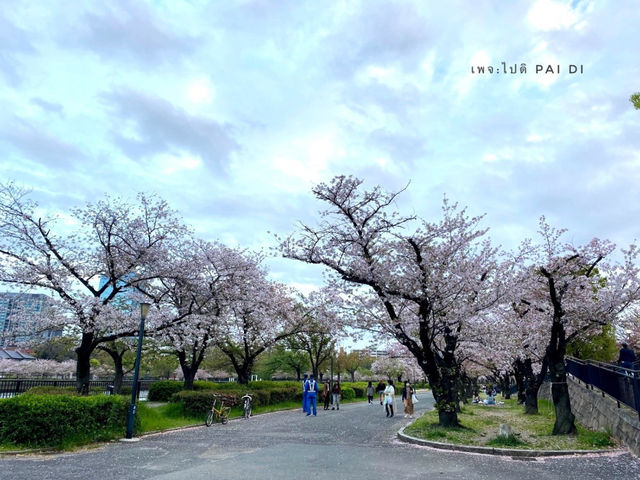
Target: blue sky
233	110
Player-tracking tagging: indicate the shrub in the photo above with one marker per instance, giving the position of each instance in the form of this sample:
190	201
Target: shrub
200	385
59	421
359	392
161	391
348	393
197	404
261	397
50	390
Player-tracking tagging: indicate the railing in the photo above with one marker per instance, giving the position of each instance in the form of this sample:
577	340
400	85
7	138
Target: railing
623	384
16	386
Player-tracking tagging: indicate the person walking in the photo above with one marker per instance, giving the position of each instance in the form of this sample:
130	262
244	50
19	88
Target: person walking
312	393
326	393
407	400
389	398
370	393
626	357
335	393
380	389
305	379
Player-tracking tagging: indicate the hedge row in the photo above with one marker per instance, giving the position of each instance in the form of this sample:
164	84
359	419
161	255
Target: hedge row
198	403
263	392
55	420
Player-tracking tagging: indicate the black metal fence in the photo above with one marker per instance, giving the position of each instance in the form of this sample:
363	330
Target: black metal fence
623	384
16	386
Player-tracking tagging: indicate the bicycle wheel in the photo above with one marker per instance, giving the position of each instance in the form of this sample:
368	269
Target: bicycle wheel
224	415
210	418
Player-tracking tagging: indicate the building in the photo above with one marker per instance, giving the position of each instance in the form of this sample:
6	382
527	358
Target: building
21	316
14	355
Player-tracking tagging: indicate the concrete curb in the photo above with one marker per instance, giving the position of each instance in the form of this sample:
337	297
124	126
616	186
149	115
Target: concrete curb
505	452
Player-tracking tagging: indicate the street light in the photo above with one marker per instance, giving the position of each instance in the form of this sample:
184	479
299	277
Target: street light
144	309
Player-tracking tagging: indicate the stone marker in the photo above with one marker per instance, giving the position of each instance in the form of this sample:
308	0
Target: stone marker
504	430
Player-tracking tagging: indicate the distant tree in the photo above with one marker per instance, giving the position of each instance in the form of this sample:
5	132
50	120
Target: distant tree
117	350
56	348
599	346
635	99
348	362
283	359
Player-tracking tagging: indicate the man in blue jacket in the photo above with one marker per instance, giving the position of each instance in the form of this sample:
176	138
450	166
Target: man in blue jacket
312	393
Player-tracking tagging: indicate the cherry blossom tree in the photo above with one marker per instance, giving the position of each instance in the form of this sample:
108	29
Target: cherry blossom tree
126	243
259	314
568	292
37	368
321	327
417	287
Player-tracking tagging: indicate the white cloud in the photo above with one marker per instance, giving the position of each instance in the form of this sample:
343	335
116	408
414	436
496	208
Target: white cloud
547	15
200	91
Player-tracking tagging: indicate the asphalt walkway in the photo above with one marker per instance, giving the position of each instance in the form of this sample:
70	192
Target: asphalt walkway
356	442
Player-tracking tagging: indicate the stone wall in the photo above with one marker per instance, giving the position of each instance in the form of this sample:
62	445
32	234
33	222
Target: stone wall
601	413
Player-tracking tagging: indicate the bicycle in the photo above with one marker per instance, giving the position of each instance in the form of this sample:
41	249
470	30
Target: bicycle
220	414
248	405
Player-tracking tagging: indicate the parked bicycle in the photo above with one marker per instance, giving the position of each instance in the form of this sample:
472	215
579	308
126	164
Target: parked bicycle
248	405
217	414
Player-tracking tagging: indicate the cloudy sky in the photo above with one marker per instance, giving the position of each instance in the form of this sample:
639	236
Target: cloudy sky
233	110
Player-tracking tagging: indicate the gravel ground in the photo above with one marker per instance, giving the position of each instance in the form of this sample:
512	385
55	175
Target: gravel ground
356	442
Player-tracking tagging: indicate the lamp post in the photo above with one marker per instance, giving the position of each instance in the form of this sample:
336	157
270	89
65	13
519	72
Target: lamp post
144	309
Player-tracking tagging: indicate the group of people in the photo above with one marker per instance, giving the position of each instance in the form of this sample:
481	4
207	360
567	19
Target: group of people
310	394
333	394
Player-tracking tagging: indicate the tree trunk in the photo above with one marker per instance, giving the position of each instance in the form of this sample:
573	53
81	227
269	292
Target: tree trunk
189	377
448	419
190	366
565	419
506	385
519	376
117	366
244	370
243	376
83	365
531	389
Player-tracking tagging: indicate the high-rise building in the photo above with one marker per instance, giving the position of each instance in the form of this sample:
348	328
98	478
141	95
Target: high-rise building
21	316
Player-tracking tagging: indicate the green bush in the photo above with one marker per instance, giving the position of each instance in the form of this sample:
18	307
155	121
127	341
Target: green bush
348	393
261	397
270	385
59	421
200	385
359	392
49	390
161	391
198	403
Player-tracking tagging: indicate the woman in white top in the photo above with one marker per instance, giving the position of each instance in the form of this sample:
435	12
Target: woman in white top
389	396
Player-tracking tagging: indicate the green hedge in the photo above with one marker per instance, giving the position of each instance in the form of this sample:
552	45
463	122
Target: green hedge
161	391
59	421
198	403
348	393
49	390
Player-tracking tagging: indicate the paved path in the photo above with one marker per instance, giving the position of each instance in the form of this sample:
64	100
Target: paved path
357	442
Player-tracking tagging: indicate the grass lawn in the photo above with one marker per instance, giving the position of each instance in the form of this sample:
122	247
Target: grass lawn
480	423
